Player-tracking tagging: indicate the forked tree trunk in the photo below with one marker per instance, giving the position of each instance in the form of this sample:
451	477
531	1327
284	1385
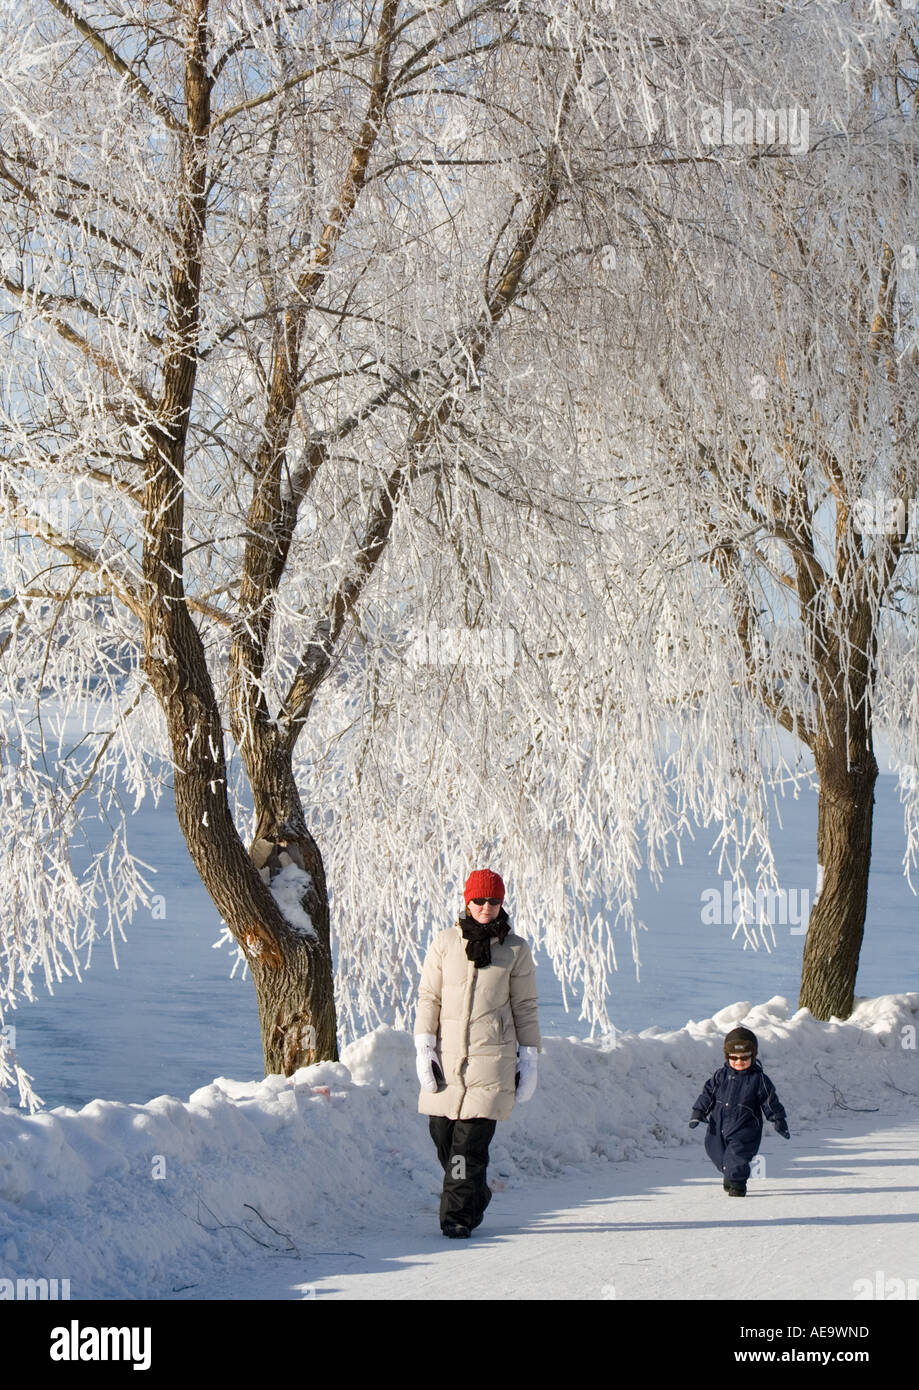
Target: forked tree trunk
296	999
837	920
291	968
292	971
296	1002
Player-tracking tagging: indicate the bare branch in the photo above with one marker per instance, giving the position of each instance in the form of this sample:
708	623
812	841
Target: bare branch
137	86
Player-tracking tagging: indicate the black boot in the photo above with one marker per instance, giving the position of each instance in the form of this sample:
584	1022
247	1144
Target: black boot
735	1189
486	1198
462	1148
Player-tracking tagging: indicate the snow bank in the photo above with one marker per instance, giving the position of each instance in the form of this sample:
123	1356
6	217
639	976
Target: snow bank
137	1201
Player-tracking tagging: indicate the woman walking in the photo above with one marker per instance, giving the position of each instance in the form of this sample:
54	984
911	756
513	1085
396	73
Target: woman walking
477	1041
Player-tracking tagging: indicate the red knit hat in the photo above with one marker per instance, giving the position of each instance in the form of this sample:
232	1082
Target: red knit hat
482	883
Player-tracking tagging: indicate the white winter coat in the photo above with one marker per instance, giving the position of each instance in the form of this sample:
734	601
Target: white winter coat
479	1017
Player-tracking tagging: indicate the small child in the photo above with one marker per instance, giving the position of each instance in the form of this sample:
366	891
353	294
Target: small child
734	1102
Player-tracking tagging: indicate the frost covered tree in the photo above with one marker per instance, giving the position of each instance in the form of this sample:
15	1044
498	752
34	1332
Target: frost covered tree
254	257
657	603
765	442
307	361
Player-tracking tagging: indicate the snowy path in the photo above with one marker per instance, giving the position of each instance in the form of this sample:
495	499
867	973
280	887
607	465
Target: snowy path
833	1208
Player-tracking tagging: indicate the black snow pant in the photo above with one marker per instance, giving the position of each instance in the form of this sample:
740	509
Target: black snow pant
462	1148
732	1156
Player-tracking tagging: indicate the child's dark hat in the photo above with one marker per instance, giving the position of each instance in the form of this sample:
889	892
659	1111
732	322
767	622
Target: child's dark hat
740	1042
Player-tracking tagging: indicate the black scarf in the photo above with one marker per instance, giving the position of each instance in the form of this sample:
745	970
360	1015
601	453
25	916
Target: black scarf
479	937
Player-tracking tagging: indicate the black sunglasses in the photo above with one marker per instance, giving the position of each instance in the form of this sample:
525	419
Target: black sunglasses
482	902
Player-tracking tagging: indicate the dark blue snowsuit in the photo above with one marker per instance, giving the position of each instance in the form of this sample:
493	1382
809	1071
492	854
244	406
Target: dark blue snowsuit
734	1103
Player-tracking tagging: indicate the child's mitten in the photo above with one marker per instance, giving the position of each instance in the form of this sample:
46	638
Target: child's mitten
781	1129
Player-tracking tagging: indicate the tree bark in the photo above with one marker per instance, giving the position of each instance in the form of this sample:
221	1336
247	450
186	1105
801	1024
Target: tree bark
291	970
296	1004
837	920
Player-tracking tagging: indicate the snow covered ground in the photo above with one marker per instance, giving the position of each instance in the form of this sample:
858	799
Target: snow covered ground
833	1218
323	1185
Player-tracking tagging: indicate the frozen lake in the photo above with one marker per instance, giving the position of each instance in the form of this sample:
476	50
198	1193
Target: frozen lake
170	1019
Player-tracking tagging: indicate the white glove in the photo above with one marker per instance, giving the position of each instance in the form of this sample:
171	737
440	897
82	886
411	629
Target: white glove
425	1057
526	1066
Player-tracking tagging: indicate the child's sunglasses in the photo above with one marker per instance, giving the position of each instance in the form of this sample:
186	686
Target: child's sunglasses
482	902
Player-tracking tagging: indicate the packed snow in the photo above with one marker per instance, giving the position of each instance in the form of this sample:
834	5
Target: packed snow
287	889
179	1198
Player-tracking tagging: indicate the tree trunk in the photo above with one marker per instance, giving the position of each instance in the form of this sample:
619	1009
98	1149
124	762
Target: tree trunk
296	1006
837	920
296	1002
291	970
291	966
